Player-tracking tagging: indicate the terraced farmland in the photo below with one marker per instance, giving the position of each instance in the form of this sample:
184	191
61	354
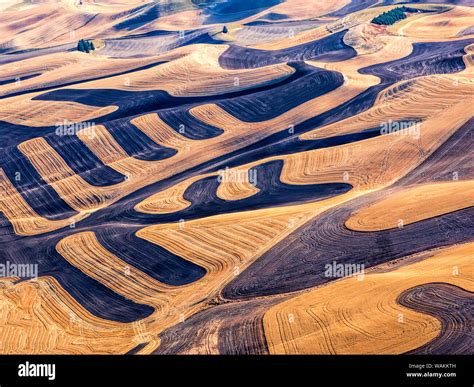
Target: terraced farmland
233	177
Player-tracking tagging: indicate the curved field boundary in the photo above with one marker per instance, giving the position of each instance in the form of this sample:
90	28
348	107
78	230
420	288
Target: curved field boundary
329	49
326	321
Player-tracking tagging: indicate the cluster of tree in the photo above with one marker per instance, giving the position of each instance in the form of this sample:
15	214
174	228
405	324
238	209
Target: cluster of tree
391	17
85	46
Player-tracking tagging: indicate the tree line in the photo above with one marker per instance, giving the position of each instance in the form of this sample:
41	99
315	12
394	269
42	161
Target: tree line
392	16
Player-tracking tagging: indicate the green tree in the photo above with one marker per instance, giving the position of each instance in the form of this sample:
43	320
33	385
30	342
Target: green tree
80	46
85	46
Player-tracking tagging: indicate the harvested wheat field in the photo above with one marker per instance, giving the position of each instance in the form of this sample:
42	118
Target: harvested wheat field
236	177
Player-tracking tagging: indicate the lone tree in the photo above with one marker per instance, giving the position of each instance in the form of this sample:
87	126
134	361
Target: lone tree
225	30
392	16
85	46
